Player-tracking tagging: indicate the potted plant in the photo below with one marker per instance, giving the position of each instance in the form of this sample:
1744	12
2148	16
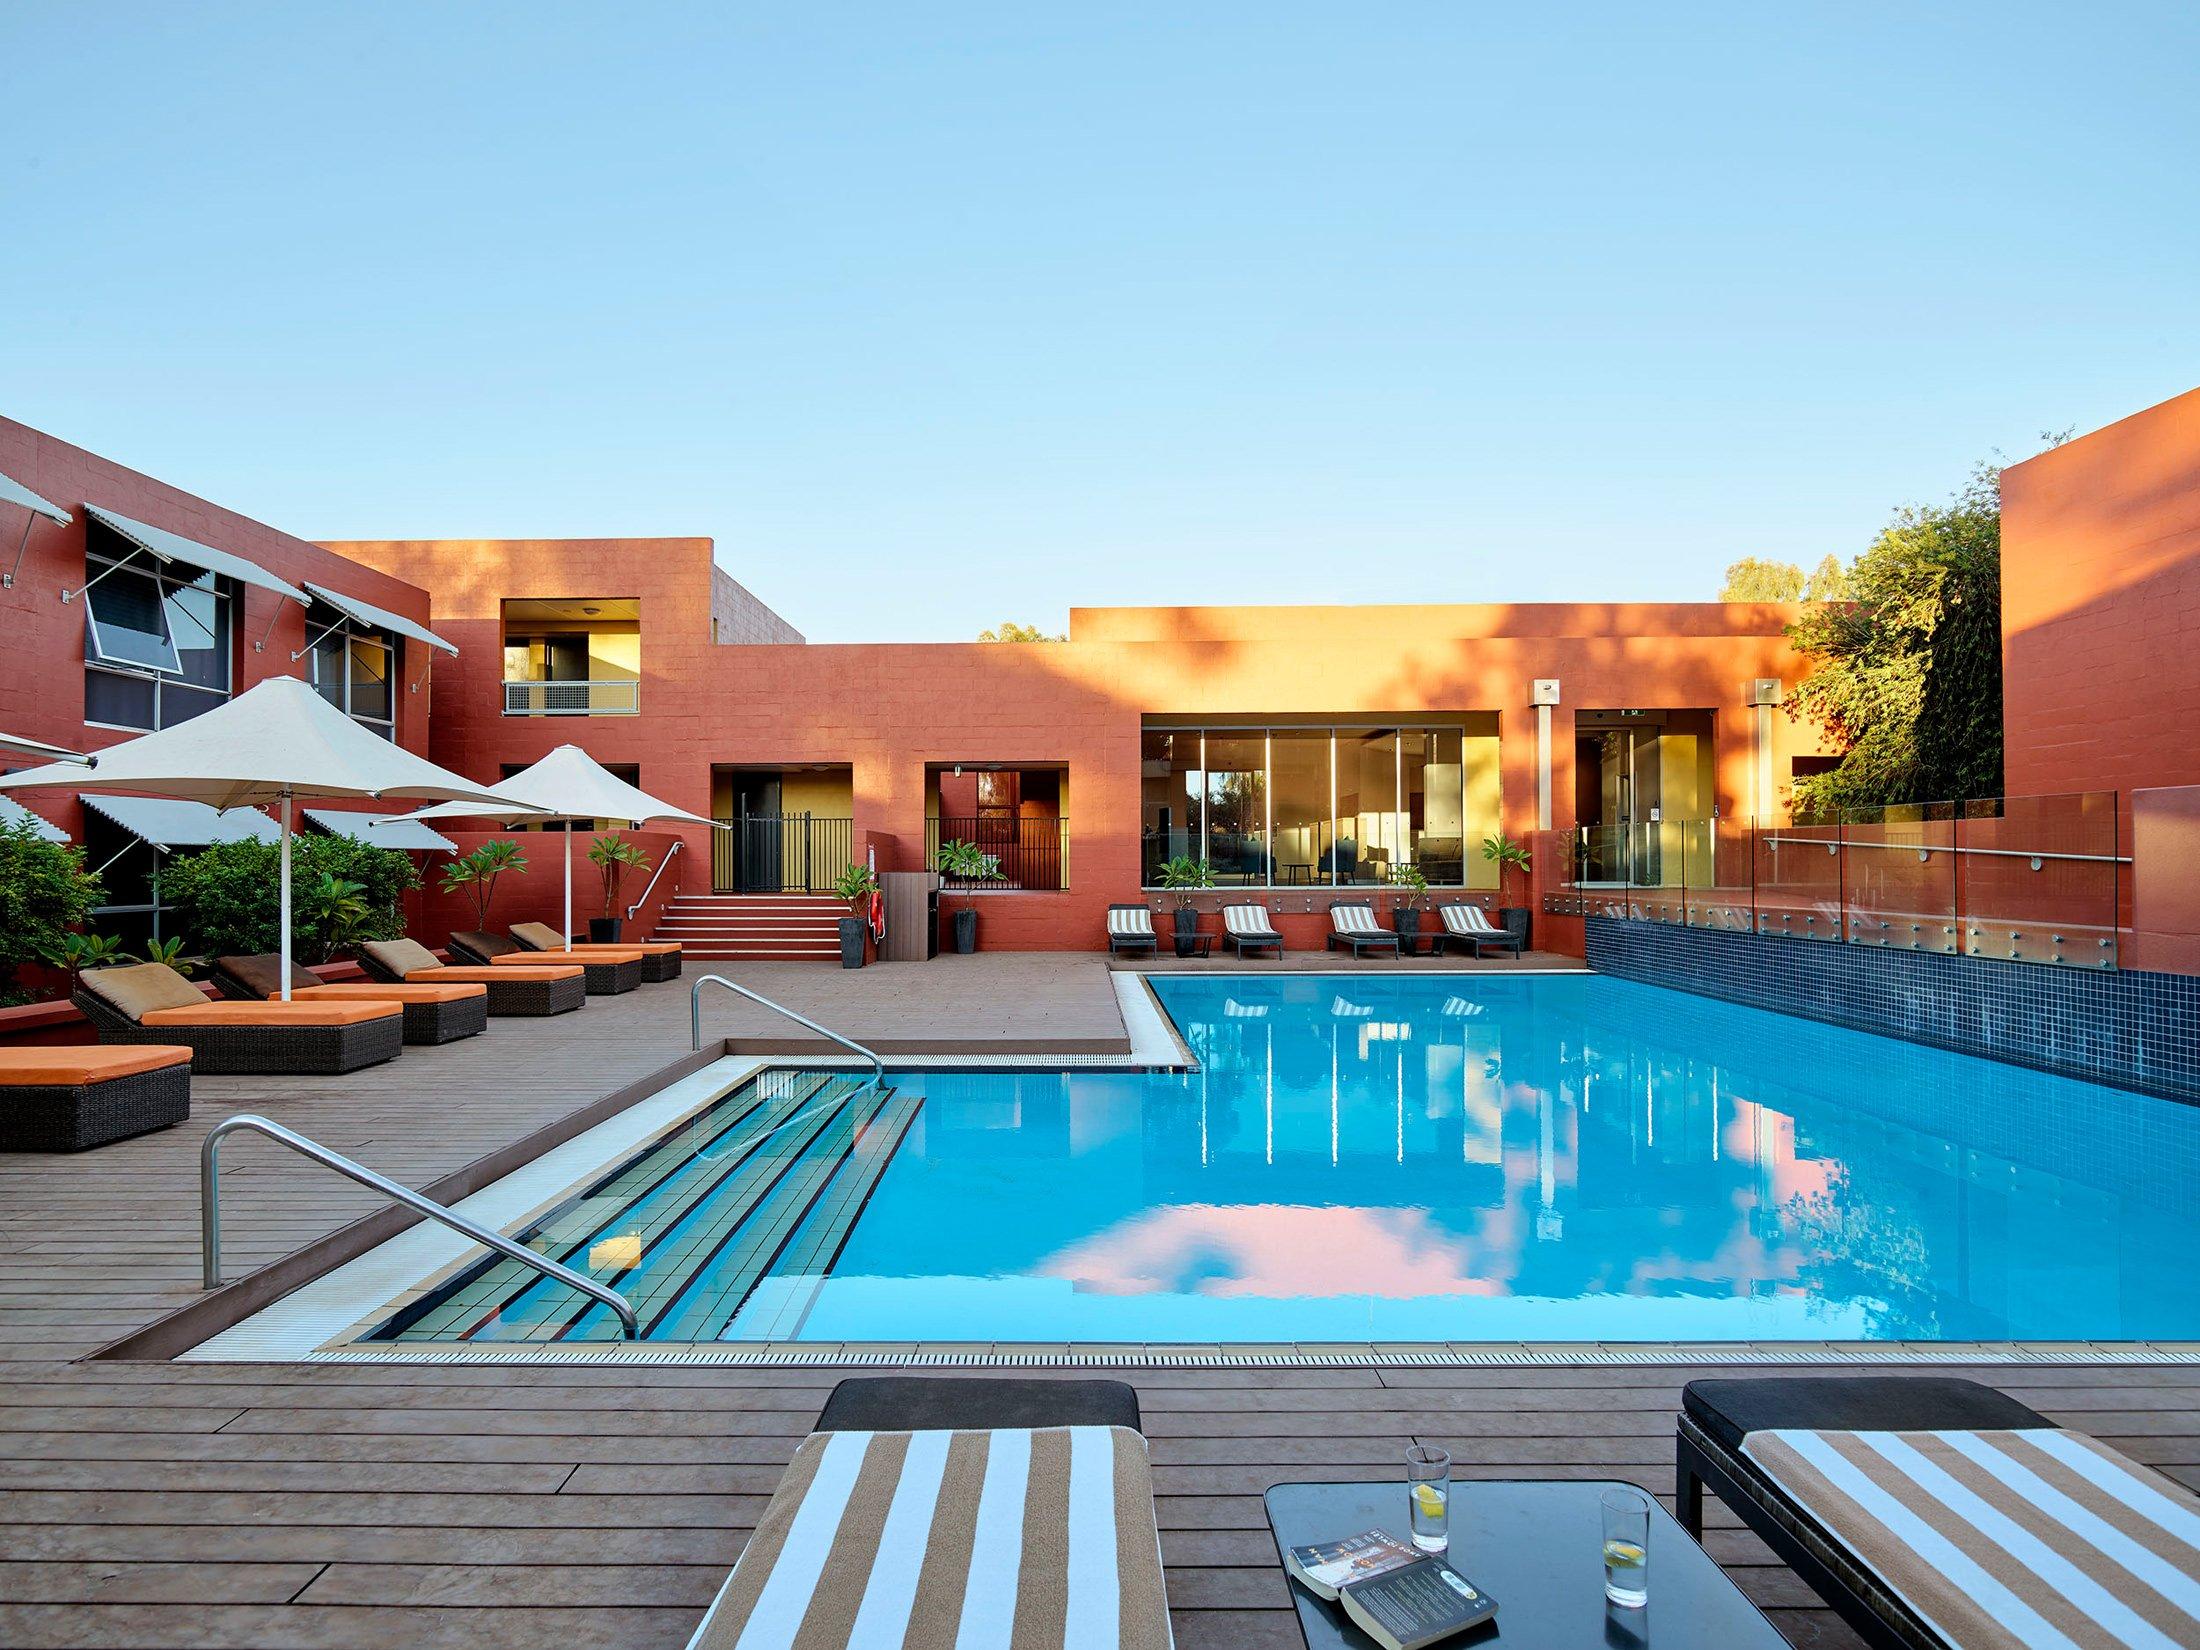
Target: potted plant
475	875
613	857
1412	899
966	863
858	886
1513	863
1182	875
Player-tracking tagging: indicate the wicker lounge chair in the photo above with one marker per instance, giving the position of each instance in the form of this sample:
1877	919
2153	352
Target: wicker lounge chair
549	988
150	1003
1931	1513
1247	929
926	1513
65	1099
1130	928
1470	926
660	958
433	1013
1354	928
608	973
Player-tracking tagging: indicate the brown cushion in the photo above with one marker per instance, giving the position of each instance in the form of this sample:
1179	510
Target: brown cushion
535	959
413	991
73	1067
538	936
529	971
400	957
480	944
139	988
272	1014
262	975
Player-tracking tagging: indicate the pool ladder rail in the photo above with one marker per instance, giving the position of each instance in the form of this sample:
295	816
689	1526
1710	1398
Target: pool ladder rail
210	1216
695	1021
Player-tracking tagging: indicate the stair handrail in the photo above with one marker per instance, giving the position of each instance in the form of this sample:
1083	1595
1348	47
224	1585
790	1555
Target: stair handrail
210	1212
671	854
695	1021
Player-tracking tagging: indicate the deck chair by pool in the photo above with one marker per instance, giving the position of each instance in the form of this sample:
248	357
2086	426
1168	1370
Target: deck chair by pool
65	1099
923	1514
1247	928
1130	928
1353	928
151	1003
1470	926
433	1013
546	988
608	973
1937	1514
660	958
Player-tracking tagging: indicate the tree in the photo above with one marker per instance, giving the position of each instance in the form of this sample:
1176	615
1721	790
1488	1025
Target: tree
224	899
1829	581
1013	632
1754	580
44	892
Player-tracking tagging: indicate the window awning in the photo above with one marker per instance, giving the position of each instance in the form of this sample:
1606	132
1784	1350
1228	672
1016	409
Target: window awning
379	618
166	822
163	545
382	830
13	812
14	492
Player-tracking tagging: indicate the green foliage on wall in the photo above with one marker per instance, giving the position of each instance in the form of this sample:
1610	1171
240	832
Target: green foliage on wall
224	901
44	893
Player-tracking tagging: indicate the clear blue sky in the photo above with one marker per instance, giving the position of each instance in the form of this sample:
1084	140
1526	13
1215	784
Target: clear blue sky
937	315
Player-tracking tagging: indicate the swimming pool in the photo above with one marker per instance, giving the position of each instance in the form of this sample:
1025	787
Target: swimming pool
1399	1158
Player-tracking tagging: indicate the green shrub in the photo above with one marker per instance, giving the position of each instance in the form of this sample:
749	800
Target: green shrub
224	900
44	892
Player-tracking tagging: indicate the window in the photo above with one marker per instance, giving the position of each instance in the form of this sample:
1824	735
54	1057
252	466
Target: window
156	641
352	667
1322	806
572	656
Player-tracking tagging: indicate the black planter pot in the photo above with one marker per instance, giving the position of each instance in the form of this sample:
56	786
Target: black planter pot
1187	924
853	933
605	930
1515	919
966	931
1405	923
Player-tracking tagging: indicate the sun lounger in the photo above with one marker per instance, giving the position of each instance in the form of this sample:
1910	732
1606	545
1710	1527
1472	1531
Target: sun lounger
151	1003
1354	928
66	1099
660	958
609	973
924	1514
1130	928
546	988
1247	929
1470	926
1938	1514
433	1013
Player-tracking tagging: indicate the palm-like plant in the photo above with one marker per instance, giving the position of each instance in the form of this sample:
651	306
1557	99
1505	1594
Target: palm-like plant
75	952
613	857
1412	883
169	954
476	874
1182	875
858	885
967	863
335	912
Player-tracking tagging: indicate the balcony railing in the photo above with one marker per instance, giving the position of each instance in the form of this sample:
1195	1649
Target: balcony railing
618	698
780	853
1033	853
2033	879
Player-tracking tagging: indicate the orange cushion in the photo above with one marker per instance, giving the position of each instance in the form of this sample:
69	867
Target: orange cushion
601	954
653	948
470	974
358	991
73	1067
292	1013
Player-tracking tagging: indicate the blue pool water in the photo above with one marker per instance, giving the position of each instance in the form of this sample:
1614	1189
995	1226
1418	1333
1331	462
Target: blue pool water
1402	1158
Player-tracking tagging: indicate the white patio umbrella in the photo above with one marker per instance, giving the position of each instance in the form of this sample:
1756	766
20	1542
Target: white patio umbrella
273	743
569	786
11	745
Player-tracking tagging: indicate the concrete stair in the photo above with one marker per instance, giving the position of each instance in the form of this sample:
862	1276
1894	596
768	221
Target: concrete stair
754	927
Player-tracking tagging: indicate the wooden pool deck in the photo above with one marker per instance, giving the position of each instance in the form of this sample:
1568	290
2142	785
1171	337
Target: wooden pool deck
153	1504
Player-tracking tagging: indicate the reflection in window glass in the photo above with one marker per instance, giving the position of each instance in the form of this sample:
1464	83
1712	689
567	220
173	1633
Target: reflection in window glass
1168	800
128	622
157	643
1305	835
1369	840
1237	808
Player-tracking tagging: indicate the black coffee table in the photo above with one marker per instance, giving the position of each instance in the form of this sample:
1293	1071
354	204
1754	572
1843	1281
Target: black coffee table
1539	1550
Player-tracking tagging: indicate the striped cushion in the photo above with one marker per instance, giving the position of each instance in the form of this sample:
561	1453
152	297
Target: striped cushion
1468	919
952	1541
1132	922
1247	919
1354	919
1999	1540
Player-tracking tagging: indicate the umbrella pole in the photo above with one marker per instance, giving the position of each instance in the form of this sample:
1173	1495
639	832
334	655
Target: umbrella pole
285	895
568	929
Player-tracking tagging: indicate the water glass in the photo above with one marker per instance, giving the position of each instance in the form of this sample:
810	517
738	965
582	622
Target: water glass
1428	1497
1627	1548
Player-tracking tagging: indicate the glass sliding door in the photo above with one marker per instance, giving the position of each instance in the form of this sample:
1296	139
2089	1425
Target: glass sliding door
1237	808
1170	800
1304	825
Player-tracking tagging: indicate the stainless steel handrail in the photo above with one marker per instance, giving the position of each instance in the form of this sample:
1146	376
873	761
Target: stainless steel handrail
671	854
1925	849
210	1212
695	1020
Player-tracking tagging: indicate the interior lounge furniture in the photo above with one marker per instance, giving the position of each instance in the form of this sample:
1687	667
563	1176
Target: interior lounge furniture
1130	929
925	1514
1246	929
1469	926
608	973
1939	1514
544	988
152	1003
660	958
69	1098
433	1013
1353	928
